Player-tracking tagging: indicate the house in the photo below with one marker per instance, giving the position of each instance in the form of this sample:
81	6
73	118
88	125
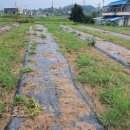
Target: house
11	10
27	12
116	12
20	10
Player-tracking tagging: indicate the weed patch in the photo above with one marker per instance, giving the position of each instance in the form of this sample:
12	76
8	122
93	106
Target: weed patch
26	70
43	36
27	107
109	38
119	101
2	108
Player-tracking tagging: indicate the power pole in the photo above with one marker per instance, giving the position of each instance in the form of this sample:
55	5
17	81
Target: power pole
52	7
83	4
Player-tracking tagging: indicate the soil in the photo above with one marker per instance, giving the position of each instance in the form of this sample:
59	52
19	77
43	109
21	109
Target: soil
51	84
120	54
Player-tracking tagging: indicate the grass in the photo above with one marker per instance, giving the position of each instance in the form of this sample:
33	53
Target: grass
104	75
27	107
118	113
113	82
123	30
12	45
2	108
68	41
110	37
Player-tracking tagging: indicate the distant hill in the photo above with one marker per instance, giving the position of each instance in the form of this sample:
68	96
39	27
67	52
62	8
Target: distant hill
88	9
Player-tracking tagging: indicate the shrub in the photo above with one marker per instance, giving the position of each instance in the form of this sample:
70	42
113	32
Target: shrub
91	41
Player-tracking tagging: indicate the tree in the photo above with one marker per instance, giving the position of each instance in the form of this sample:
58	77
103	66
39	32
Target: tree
77	14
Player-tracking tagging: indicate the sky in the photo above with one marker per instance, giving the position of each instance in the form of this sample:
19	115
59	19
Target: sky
35	4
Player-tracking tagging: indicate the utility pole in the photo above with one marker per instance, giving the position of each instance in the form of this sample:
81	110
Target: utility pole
83	5
103	2
52	7
72	2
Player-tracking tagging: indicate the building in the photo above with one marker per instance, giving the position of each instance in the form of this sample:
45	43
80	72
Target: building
11	10
116	12
27	12
20	10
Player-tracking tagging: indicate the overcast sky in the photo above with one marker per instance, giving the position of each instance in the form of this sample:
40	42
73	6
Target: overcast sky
35	4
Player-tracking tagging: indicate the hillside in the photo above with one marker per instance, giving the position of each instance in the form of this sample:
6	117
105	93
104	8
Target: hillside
88	9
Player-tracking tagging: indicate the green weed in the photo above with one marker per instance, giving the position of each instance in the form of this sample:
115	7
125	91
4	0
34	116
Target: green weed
43	36
26	70
2	108
118	113
28	106
110	37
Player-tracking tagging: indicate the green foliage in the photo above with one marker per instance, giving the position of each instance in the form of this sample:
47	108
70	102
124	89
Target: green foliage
26	70
43	36
67	39
105	36
10	44
91	41
28	106
97	73
2	108
77	14
82	61
113	24
118	113
17	18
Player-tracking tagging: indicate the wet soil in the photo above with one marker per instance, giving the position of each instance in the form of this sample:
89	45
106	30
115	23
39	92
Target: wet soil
51	84
118	53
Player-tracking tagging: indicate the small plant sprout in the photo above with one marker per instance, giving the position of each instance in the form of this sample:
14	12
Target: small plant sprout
91	41
43	36
27	106
26	70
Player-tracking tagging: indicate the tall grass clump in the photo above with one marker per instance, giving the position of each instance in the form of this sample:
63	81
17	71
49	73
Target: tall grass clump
10	44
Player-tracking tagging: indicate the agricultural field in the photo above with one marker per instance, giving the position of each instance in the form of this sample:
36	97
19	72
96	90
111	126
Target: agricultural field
105	36
122	30
12	49
104	79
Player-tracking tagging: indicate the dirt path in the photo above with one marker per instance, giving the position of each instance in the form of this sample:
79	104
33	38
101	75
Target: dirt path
51	84
108	32
120	54
7	28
